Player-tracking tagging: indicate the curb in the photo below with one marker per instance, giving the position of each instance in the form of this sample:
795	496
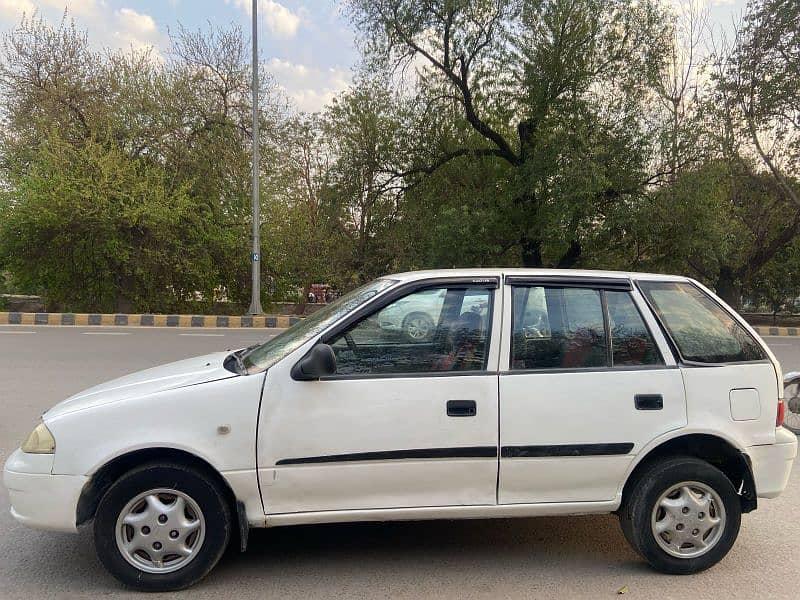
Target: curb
221	321
779	331
122	320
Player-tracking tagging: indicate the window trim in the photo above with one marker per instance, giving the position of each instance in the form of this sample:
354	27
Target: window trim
491	283
674	345
607	329
601	289
569	281
621	368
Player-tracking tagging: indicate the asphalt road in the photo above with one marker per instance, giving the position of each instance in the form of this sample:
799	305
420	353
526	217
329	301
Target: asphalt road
575	557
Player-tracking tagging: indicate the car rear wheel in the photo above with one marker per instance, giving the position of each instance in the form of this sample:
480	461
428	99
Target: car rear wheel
162	527
682	515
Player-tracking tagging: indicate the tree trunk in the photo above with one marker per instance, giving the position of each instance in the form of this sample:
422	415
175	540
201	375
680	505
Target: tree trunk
571	256
729	288
123	300
531	252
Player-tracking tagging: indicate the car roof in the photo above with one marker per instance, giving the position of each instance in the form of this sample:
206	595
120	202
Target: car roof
500	271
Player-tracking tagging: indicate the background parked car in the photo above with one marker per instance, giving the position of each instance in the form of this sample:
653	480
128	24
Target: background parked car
415	316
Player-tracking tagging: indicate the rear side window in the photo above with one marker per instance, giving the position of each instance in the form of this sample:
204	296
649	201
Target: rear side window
574	328
631	342
703	331
558	328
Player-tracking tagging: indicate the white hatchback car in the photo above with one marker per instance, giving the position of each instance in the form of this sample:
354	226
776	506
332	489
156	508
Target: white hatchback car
574	392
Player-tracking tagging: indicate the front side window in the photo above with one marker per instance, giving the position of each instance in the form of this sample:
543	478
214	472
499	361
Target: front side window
441	329
557	328
703	331
267	354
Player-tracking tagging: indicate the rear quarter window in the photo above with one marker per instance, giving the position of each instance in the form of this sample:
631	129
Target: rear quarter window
702	330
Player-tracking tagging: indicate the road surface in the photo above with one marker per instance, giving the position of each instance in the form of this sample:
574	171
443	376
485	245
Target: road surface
565	558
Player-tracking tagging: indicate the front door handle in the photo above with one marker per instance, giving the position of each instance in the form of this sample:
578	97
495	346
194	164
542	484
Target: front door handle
461	408
648	401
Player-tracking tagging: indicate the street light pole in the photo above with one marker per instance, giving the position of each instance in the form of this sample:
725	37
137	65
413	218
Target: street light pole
255	299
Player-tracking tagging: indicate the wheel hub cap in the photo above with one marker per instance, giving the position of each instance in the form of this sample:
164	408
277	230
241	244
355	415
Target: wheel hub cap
417	328
792	395
688	519
160	530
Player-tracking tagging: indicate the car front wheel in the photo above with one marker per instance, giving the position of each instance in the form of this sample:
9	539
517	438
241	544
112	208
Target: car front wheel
162	527
682	515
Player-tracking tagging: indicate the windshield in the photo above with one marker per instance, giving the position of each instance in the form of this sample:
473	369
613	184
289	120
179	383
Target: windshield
264	356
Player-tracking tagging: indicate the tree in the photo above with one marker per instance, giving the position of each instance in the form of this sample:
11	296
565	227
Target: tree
718	222
758	85
103	233
778	284
182	125
363	126
551	88
753	115
300	248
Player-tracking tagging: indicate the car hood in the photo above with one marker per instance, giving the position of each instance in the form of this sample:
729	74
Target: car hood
192	371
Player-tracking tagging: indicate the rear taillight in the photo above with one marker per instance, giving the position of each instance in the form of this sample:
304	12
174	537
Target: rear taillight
781	413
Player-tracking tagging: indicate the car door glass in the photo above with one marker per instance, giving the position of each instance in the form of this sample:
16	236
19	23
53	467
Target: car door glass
631	342
432	330
557	328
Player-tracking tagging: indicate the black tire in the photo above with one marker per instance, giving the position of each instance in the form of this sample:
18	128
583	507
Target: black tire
655	480
191	482
422	317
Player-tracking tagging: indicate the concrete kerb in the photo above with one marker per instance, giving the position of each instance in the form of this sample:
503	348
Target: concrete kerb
124	320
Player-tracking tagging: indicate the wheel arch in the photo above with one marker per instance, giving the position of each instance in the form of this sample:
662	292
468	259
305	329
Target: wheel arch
110	471
416	313
719	452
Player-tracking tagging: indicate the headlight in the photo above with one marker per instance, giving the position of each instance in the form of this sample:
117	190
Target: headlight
40	441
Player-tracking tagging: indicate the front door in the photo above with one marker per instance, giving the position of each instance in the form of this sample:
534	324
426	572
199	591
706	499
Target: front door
409	419
583	387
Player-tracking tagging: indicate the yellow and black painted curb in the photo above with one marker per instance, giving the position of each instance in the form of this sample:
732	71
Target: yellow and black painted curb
781	331
263	321
123	320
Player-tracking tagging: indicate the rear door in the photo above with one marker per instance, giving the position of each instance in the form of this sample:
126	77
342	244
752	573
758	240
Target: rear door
584	385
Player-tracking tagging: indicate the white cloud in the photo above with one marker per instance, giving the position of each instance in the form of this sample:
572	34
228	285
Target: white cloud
13	9
281	21
123	28
310	88
135	30
698	4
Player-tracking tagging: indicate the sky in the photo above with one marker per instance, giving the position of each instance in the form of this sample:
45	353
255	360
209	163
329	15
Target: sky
308	45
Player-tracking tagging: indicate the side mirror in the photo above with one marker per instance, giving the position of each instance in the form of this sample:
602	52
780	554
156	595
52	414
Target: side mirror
319	362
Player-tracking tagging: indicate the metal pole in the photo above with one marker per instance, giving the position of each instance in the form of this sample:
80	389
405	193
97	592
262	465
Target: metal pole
255	299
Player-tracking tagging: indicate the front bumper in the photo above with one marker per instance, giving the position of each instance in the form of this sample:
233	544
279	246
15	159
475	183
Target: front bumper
38	498
772	463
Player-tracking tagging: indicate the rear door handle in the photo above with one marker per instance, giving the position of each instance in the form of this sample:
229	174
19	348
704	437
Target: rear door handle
461	408
648	401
